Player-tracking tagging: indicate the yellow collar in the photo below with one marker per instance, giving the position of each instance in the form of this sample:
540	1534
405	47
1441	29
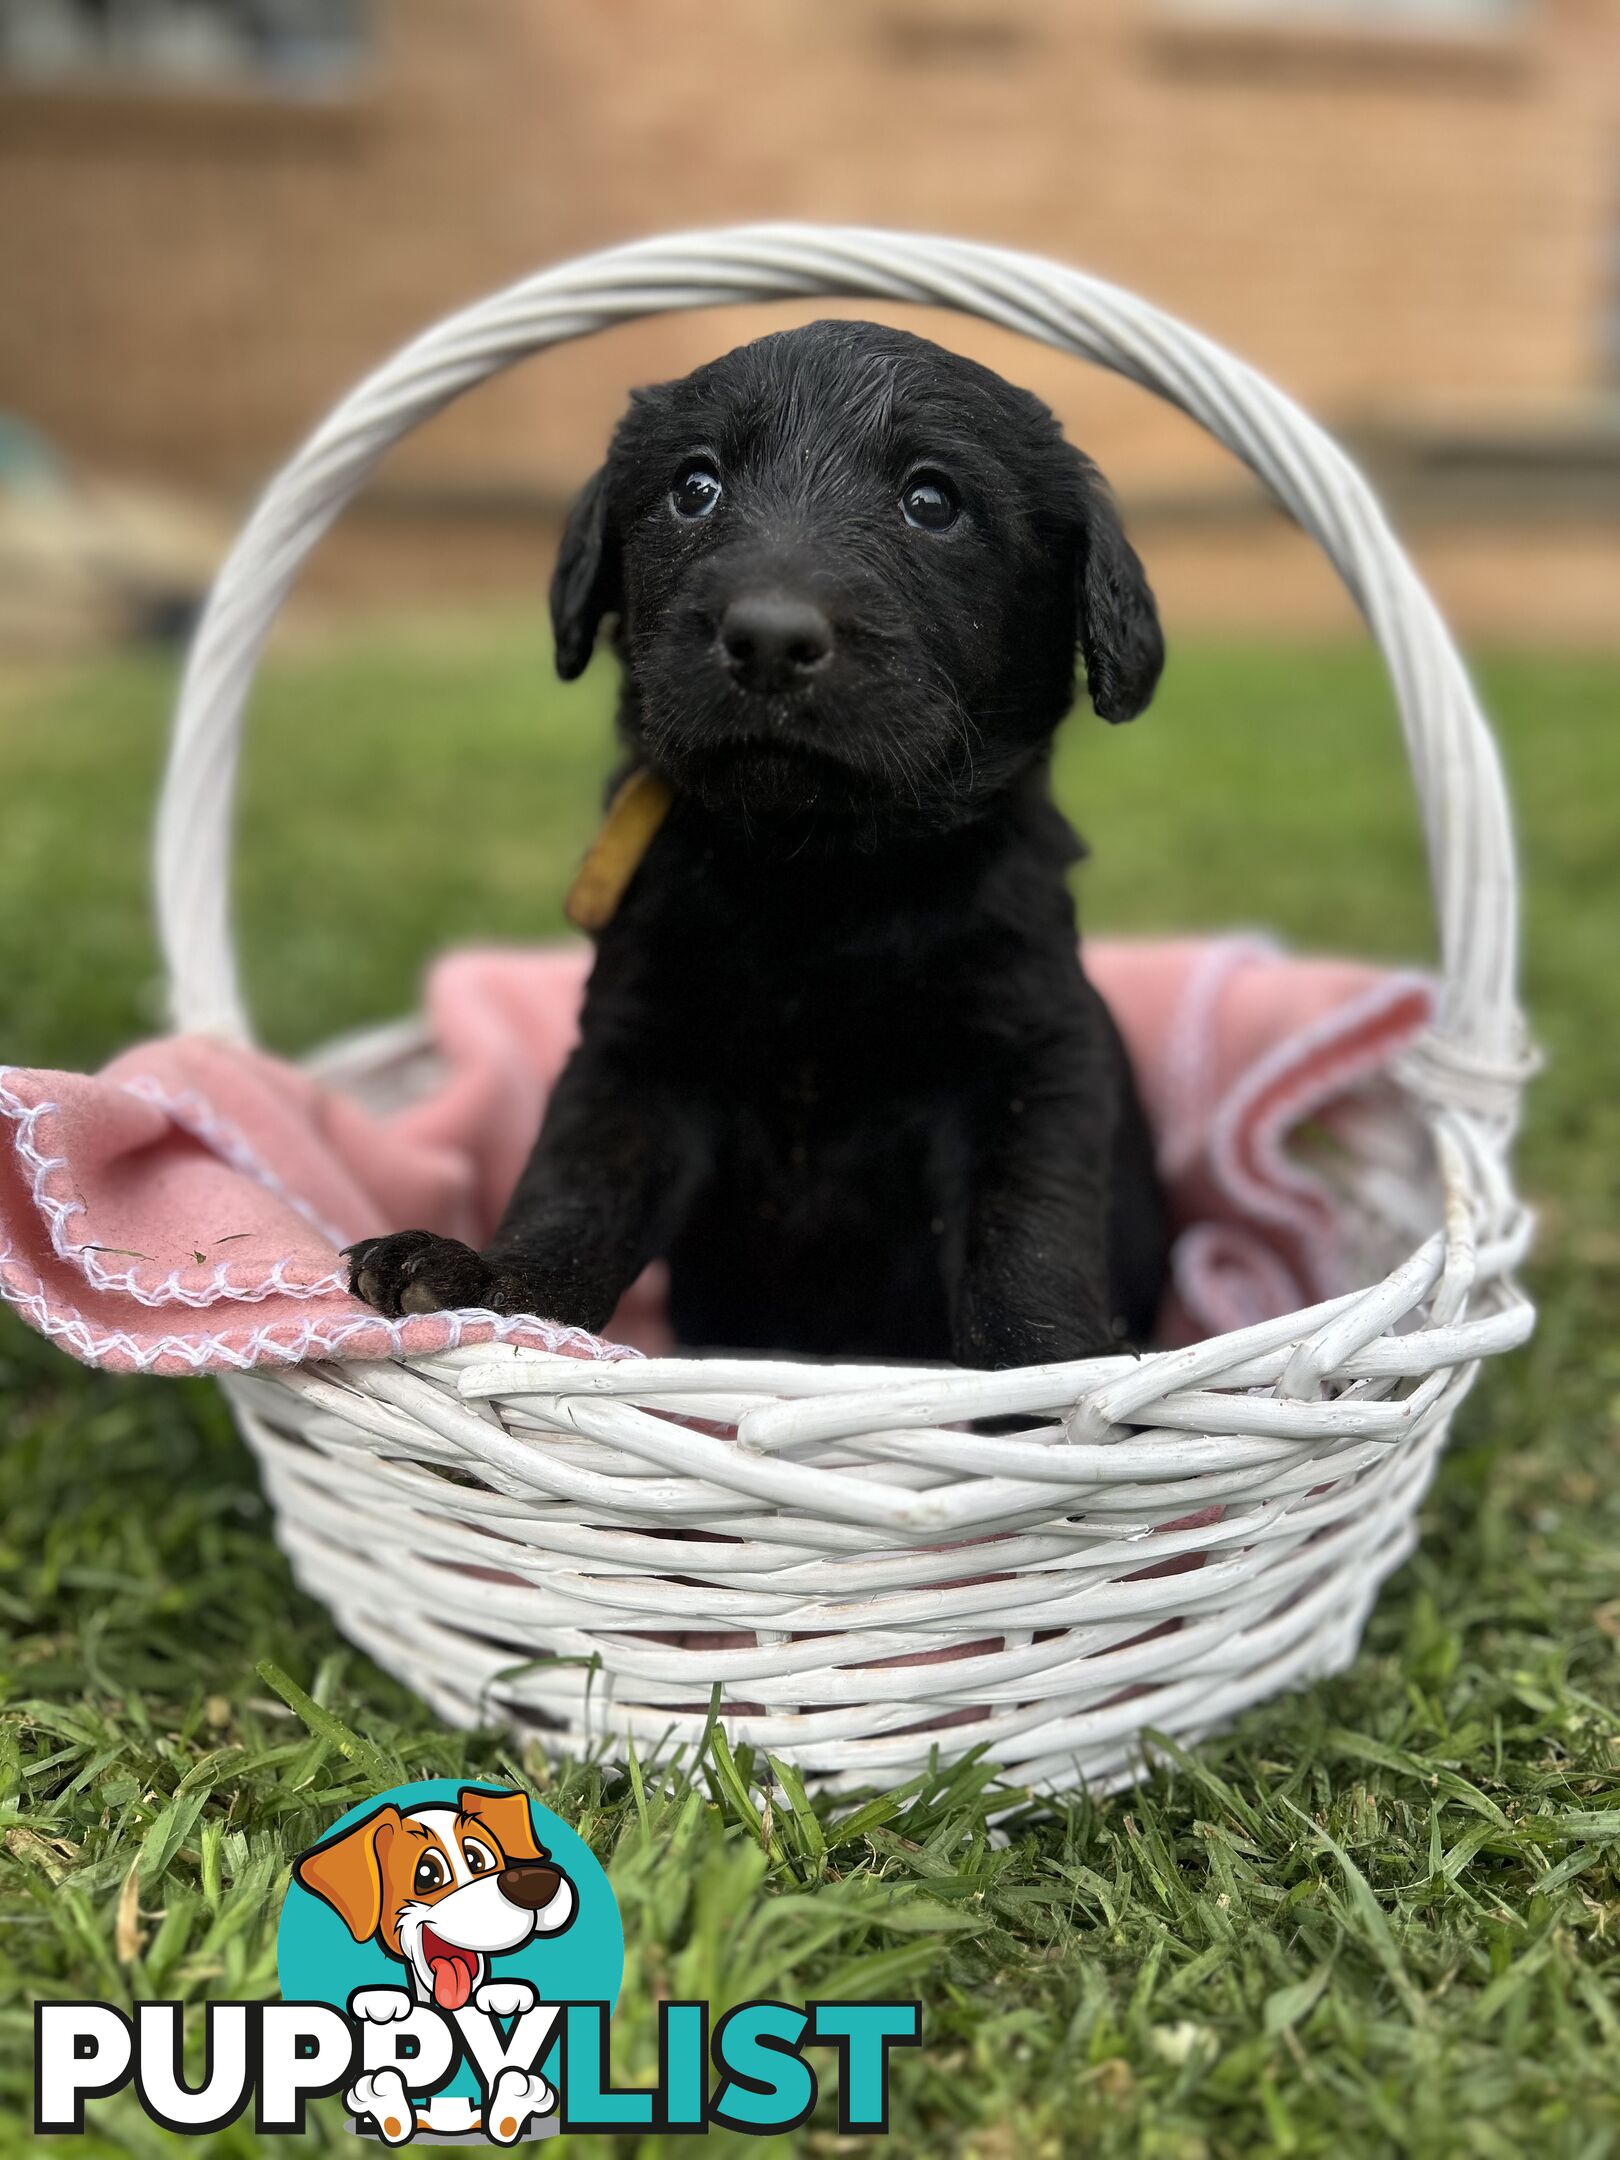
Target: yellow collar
639	806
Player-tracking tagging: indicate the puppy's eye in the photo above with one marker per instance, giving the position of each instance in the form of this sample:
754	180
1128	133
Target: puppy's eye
479	1857
697	491
929	502
431	1874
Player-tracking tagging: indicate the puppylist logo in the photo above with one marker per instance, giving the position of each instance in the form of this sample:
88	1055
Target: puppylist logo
450	1956
451	1923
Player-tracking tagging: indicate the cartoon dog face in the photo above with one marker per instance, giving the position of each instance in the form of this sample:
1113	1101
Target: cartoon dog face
443	1889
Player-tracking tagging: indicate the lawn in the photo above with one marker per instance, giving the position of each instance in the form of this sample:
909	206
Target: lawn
1380	1917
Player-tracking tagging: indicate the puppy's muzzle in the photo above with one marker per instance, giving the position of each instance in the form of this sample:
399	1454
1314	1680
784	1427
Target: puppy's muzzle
772	643
529	1884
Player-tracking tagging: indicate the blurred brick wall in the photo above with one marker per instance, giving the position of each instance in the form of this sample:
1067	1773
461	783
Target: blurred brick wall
1380	222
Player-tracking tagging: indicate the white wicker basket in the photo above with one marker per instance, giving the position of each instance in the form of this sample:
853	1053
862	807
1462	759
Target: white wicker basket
496	1525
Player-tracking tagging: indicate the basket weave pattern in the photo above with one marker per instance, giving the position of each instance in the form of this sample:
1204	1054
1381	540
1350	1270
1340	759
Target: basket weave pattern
595	1548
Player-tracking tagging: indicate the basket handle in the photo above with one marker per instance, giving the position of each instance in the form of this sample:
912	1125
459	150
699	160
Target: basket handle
1476	1056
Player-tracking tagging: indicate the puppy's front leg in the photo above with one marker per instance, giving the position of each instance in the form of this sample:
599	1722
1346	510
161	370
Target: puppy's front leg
1034	1286
615	1163
611	1174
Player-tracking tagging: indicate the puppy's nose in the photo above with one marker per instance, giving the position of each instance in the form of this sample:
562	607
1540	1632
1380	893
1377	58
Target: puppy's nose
773	643
531	1884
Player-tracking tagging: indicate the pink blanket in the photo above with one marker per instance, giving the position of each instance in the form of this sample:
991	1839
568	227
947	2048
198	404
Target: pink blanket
181	1211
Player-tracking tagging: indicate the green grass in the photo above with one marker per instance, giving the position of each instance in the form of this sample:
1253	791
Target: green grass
1382	1916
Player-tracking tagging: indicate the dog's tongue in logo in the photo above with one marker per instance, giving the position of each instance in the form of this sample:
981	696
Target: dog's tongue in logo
454	1970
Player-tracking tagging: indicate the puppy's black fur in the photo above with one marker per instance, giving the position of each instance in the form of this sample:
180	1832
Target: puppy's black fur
840	1063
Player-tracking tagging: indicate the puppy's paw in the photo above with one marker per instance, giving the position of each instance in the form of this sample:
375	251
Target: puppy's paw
506	1998
381	2098
517	2098
412	1271
380	2005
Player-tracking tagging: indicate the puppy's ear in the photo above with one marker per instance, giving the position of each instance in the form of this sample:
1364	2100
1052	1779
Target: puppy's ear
347	1871
1120	639
585	584
506	1816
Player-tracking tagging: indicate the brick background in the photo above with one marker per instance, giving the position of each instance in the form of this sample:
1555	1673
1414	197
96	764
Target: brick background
1385	224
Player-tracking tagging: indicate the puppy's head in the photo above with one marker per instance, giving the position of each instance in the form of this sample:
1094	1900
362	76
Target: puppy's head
852	573
443	1889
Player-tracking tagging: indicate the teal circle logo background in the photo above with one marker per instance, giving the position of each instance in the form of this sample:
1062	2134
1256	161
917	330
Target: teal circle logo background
318	1960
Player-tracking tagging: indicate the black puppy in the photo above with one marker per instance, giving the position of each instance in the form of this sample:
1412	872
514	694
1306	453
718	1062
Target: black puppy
839	1062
